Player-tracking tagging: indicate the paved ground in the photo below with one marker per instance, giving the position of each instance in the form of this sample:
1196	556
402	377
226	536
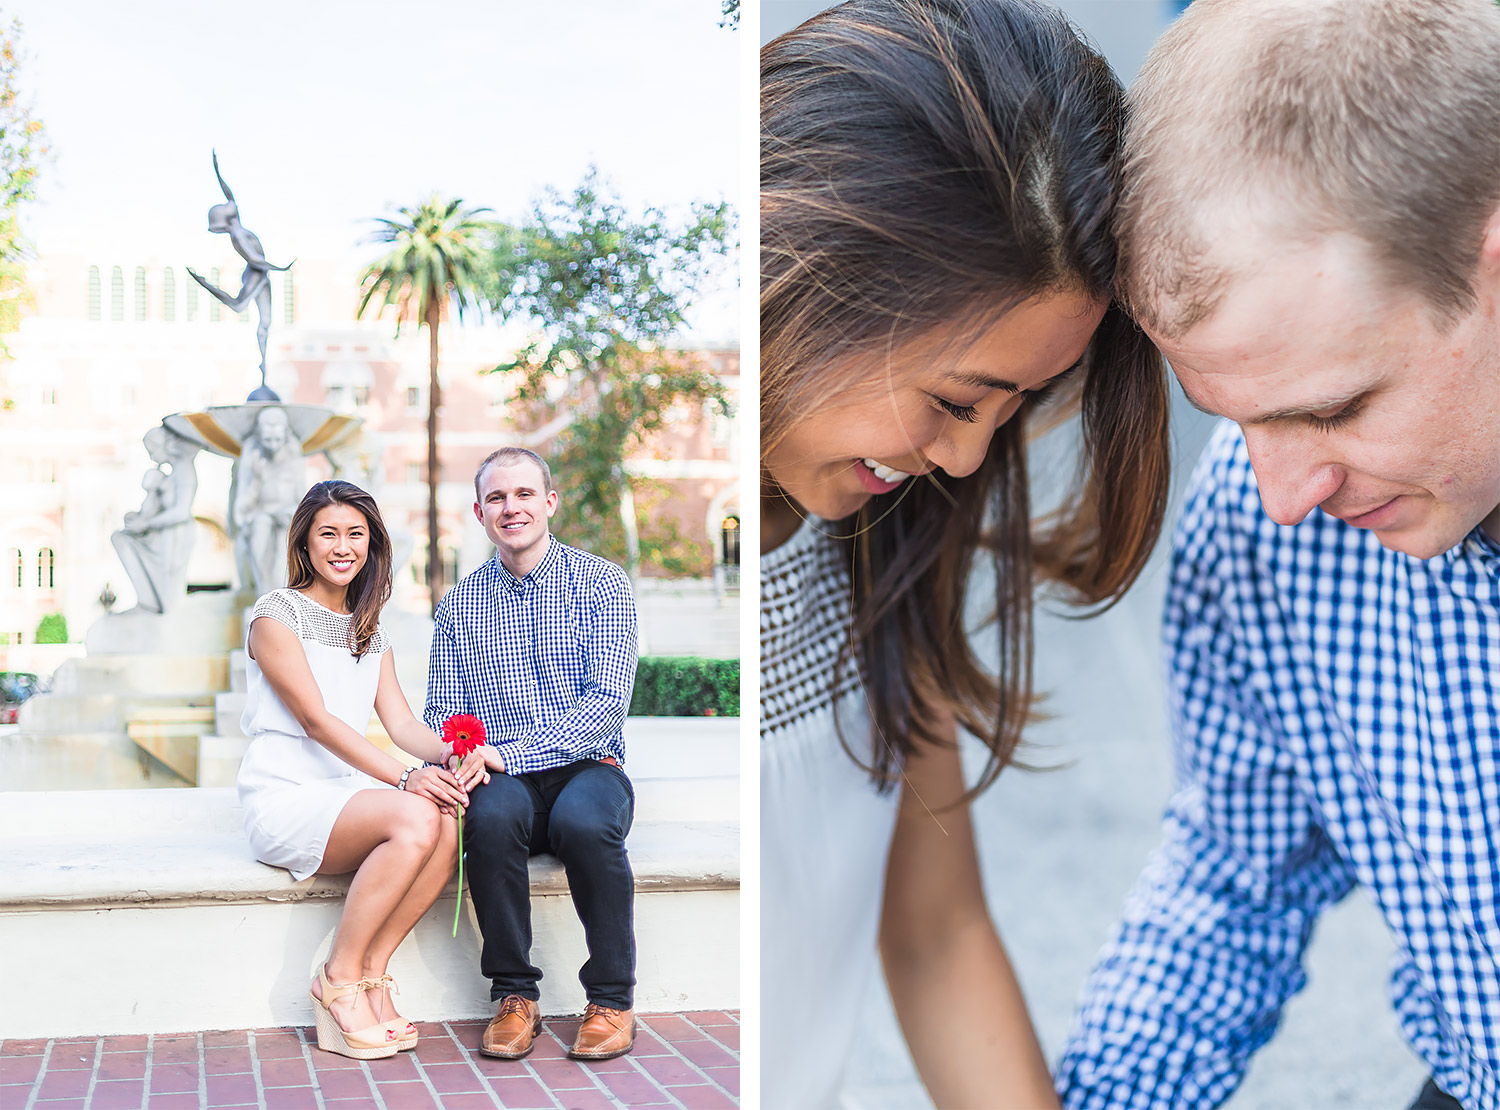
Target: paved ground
688	1060
1061	848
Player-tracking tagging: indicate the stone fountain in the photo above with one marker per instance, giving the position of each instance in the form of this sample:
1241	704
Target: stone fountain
157	671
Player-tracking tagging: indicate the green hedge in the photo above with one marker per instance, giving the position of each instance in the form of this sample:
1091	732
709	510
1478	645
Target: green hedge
686	686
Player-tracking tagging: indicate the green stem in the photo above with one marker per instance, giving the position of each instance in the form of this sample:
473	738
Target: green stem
459	905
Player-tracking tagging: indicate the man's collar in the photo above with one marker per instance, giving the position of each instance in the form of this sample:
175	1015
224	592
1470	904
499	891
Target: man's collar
551	559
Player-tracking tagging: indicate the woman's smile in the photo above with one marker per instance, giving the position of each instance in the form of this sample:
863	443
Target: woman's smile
933	404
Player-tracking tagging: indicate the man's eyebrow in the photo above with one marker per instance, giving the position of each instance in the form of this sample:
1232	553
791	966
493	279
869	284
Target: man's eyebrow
1291	411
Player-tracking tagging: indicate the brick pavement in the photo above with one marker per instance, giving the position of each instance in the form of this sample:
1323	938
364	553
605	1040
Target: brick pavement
689	1060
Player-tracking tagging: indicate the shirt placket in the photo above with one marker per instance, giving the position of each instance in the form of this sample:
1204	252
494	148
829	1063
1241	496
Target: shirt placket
533	692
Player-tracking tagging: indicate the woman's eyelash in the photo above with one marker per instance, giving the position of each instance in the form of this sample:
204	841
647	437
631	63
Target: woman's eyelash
967	413
1048	391
1043	395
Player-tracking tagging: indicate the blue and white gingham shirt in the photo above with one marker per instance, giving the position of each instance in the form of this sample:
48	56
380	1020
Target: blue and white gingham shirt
547	661
1336	713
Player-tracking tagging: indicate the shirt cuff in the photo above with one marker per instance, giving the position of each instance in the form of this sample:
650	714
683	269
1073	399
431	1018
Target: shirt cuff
511	753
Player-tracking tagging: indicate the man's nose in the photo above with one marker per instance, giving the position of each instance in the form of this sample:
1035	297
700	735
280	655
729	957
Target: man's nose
1293	470
962	446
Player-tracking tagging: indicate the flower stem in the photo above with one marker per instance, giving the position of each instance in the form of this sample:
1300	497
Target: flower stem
459	905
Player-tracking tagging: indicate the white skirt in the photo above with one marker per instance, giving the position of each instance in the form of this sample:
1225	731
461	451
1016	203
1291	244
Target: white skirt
292	790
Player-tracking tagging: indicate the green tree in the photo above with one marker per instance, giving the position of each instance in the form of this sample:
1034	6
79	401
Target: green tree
435	264
23	147
729	11
607	292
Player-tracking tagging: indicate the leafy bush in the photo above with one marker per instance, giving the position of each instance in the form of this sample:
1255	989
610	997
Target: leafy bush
53	629
686	686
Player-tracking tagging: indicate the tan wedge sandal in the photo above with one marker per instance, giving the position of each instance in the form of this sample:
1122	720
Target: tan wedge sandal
406	1032
374	1043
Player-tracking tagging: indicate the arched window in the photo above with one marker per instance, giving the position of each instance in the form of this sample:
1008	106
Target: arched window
94	294
729	541
169	295
288	299
140	294
117	295
190	301
46	569
16	560
215	313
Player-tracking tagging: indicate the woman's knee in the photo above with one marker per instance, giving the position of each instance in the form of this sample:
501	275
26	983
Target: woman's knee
418	827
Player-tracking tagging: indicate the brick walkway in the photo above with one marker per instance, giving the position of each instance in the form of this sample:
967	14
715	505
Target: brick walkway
687	1060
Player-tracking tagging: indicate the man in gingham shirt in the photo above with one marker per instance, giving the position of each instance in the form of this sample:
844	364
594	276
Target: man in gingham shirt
540	644
1310	229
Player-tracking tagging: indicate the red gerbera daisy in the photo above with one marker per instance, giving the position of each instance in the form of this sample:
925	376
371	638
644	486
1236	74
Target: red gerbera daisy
465	732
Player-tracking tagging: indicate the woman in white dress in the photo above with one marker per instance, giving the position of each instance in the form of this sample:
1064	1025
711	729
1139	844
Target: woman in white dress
937	182
318	797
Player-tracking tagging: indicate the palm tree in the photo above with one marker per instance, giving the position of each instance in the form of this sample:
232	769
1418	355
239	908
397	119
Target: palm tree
438	255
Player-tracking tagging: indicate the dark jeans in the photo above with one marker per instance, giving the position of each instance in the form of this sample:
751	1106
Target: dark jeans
580	813
1434	1097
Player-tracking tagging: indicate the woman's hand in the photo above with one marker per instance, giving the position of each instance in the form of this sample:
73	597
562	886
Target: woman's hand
473	771
477	766
440	788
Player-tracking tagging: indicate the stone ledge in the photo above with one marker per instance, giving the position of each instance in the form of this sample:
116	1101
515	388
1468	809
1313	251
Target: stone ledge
185	847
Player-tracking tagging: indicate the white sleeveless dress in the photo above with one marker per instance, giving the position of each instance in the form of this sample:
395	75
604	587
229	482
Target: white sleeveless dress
291	787
825	831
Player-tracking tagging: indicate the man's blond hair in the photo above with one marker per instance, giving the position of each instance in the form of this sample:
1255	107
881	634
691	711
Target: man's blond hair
509	456
1293	119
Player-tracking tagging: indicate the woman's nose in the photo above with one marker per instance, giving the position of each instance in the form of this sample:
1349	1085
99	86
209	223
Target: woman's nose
962	446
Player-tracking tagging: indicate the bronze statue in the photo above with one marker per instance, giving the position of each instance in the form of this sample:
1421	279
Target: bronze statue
255	282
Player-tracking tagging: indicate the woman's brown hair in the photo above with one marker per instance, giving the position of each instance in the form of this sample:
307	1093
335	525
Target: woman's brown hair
371	587
927	164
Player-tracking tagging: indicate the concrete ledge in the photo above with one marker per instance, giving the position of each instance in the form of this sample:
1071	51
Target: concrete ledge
131	911
186	847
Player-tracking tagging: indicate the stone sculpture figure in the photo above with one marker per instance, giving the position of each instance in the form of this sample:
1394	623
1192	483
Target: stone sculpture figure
268	483
255	282
157	540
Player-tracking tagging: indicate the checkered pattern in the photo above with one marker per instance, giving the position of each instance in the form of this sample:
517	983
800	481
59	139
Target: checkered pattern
1336	711
547	661
804	621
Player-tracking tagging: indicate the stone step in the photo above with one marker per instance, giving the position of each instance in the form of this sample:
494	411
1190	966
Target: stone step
170	733
204	937
655	747
696	787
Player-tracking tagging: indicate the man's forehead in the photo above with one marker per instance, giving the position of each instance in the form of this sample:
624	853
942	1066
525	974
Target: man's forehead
1307	300
509	476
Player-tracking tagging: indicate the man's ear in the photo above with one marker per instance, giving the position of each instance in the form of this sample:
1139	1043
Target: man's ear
1489	259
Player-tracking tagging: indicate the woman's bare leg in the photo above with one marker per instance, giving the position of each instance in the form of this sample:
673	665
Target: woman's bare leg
419	898
390	837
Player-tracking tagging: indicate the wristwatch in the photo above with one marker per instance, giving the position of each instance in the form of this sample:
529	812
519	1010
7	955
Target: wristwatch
406	774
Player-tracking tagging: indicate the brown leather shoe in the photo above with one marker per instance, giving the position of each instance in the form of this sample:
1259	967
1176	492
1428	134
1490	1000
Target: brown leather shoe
509	1034
604	1034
